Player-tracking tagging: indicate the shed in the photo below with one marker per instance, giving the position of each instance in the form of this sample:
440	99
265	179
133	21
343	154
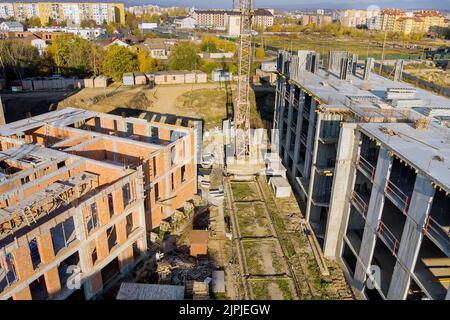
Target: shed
199	242
140	78
200	77
218	281
100	82
89	82
221	75
189	77
143	291
128	79
27	84
281	187
169	78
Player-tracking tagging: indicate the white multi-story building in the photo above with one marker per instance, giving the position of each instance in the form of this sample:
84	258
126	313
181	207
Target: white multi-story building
71	13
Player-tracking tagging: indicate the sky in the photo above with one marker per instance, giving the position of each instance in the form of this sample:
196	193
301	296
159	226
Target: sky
303	4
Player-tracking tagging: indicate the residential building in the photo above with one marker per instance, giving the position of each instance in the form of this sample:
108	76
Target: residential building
316	113
71	12
317	19
11	26
187	23
219	19
159	48
79	191
85	33
147	26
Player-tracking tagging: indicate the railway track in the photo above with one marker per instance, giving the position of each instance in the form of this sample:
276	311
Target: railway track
246	276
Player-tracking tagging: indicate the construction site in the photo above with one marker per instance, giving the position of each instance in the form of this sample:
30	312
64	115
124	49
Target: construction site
345	198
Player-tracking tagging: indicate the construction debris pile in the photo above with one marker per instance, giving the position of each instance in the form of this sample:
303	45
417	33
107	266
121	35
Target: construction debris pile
179	267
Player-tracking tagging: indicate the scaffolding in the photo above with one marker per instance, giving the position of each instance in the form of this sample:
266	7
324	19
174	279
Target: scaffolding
42	202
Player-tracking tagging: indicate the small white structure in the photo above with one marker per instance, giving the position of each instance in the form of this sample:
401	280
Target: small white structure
11	26
40	45
185	23
269	66
218	281
234	25
281	187
85	33
147	26
221	75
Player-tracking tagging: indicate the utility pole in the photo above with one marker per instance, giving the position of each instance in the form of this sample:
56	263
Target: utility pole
382	51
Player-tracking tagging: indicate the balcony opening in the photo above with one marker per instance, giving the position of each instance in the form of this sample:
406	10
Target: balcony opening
415	292
38	289
400	185
69	267
393	221
385	261
318	221
326	156
322	190
360	196
63	234
437	226
34	252
355	229
110	270
329	131
349	258
112	237
369	150
8	274
433	269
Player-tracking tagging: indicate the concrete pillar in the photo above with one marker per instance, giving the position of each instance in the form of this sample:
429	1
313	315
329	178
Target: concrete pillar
289	125
411	240
311	139
298	130
312	171
343	181
374	212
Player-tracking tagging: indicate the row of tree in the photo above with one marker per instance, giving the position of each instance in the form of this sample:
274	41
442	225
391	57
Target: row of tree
70	55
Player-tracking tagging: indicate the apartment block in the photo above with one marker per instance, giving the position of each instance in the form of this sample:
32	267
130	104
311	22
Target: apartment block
221	18
315	101
79	191
71	12
389	211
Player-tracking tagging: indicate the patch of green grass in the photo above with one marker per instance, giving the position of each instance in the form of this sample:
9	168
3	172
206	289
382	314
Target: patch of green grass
260	289
220	296
243	191
252	220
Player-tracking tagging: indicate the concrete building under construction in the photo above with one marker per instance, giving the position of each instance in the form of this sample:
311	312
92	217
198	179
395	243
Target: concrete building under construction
321	113
79	191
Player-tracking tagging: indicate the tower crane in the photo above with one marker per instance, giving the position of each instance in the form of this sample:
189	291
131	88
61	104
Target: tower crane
242	105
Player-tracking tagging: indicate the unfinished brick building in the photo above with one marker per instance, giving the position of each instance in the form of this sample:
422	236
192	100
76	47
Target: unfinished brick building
78	191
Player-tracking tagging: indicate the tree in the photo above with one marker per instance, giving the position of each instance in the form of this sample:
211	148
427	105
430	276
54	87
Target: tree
72	55
147	63
18	60
32	22
260	54
119	60
184	57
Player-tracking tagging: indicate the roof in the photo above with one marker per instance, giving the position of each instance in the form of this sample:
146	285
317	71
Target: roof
141	291
13	24
199	236
426	150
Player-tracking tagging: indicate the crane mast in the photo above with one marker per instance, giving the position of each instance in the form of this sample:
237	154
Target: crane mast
242	106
